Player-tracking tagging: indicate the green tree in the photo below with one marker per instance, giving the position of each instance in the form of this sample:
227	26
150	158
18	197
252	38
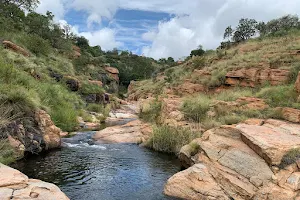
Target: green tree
245	30
26	4
198	52
228	32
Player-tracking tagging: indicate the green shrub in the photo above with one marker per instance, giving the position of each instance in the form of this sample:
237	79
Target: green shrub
280	96
7	153
152	112
99	108
36	44
195	108
88	88
290	157
232	95
170	139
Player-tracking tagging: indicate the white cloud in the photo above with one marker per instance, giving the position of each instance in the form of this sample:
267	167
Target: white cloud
55	6
104	37
195	22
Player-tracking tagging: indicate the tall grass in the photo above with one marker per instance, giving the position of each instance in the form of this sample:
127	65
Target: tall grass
170	139
195	109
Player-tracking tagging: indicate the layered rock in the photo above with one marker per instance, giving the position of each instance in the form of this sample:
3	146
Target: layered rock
133	132
188	88
10	45
290	114
114	72
170	112
15	185
32	134
255	76
76	51
240	162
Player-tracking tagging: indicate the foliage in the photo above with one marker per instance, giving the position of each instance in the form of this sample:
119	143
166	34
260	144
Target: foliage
198	52
196	108
170	139
290	158
151	111
88	88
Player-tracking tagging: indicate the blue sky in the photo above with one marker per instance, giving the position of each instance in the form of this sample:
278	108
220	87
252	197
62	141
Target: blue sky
161	28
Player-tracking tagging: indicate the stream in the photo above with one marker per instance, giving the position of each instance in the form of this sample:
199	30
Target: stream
87	171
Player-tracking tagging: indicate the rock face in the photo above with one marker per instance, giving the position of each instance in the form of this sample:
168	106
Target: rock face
240	162
15	185
98	83
291	114
188	88
250	103
170	114
114	72
255	76
15	48
76	51
33	134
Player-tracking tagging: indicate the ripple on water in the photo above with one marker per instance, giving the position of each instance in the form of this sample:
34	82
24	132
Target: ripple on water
106	171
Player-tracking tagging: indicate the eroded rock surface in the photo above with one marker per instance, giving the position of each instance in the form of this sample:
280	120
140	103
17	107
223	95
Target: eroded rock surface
240	162
17	186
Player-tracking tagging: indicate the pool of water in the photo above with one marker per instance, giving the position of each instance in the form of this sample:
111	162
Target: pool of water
87	171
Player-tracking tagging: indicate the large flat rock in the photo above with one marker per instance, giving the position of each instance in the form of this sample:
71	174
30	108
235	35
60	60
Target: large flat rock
195	183
15	185
272	140
132	132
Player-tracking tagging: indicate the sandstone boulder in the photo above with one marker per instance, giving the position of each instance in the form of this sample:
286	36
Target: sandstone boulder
98	83
133	132
188	88
195	183
291	114
114	72
10	45
73	83
15	185
241	160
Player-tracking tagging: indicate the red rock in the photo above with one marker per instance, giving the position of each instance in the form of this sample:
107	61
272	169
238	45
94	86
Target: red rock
291	114
15	48
297	84
99	83
112	70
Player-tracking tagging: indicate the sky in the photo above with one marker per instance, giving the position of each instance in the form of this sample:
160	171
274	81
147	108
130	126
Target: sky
161	28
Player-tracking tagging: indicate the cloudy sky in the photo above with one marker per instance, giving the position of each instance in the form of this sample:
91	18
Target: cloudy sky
161	28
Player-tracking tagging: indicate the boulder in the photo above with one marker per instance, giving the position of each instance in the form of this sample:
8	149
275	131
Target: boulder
240	162
114	72
195	183
15	185
76	51
272	140
51	133
170	112
73	83
98	83
33	134
133	132
10	45
297	84
291	114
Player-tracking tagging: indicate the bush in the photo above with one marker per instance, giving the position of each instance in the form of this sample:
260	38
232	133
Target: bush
169	139
195	109
151	111
280	96
290	157
232	95
36	44
88	88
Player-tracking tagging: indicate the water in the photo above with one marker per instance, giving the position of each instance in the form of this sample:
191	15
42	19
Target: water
86	171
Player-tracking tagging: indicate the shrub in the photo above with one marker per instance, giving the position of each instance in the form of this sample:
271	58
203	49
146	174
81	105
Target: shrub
232	95
195	109
36	44
151	111
88	88
280	96
290	157
170	139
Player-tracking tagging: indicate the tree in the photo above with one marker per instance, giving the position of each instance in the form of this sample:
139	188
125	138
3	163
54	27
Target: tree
228	32
245	30
261	28
29	5
171	60
198	52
